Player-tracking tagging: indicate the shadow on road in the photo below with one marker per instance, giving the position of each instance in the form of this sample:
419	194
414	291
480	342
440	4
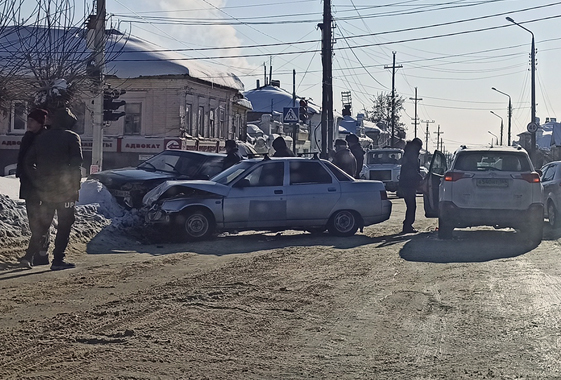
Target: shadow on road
235	243
466	246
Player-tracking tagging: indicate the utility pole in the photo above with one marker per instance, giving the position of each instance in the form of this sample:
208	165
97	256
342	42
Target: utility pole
393	67
438	138
99	46
416	99
427	134
327	84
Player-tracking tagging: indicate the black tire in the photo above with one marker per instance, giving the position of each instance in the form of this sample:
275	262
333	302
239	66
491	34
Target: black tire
343	223
445	229
197	224
533	233
553	215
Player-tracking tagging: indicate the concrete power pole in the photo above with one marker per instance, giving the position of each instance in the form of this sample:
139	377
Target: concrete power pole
416	99
438	139
99	43
427	134
393	67
327	88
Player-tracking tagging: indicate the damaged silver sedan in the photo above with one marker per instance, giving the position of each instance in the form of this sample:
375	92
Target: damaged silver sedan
271	194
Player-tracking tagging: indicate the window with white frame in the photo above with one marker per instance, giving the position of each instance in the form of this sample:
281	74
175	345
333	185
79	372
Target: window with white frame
18	117
133	118
189	119
201	122
212	124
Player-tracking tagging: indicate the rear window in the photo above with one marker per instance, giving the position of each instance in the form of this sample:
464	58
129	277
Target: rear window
496	161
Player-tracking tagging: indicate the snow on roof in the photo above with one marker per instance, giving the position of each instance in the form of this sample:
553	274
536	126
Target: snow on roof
126	55
264	98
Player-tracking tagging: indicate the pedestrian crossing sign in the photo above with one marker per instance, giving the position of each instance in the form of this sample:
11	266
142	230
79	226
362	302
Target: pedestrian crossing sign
290	114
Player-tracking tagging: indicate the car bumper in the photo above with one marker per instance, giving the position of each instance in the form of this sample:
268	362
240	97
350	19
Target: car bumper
461	217
385	215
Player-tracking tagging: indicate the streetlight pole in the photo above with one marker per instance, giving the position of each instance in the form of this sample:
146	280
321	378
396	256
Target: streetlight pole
496	138
509	114
533	64
501	144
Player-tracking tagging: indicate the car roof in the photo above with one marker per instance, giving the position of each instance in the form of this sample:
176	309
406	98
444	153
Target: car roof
181	151
465	148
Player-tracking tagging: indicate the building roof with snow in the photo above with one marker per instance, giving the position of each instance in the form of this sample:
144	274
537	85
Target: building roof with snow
269	98
126	55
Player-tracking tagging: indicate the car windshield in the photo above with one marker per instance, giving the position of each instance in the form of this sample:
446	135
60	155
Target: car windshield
387	157
177	162
496	161
233	172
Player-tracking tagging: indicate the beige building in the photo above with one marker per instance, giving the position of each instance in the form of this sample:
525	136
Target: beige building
171	103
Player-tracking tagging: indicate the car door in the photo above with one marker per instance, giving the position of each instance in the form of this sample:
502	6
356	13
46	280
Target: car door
311	193
550	183
257	199
431	183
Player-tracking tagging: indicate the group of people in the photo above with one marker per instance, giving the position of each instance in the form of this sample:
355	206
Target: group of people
49	168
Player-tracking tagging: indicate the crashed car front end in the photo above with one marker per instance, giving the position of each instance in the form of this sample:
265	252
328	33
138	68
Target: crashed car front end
170	198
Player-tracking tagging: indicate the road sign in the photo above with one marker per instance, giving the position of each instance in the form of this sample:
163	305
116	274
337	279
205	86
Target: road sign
290	114
532	127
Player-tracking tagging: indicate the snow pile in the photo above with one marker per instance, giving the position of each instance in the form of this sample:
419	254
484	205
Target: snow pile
97	210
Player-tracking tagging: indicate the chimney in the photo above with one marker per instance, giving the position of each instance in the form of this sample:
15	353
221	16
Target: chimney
258	86
275	83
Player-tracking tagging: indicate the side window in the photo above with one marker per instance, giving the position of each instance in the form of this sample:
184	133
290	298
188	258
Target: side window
548	173
268	174
438	164
308	172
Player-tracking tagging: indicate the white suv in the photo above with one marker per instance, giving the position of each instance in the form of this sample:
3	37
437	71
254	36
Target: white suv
485	187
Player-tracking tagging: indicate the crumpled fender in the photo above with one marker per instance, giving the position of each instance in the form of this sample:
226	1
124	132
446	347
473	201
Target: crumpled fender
208	186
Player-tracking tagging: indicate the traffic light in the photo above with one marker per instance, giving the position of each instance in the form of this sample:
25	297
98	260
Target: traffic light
111	104
303	110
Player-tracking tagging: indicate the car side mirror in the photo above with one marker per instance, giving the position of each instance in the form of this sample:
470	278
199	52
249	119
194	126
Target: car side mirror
242	183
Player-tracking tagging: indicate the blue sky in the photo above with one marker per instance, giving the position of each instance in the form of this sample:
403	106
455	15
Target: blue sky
452	51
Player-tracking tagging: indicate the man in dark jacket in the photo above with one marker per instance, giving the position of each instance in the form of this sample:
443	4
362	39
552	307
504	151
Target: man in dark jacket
357	151
54	164
409	180
281	150
233	155
343	158
36	253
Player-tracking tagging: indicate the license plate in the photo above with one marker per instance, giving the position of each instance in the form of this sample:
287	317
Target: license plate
120	193
492	182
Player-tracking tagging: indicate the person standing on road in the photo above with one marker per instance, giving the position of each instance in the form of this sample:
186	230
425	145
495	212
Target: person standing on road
343	158
36	253
409	180
357	151
54	163
233	155
281	150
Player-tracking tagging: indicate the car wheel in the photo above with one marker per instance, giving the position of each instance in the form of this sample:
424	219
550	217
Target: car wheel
445	229
196	224
343	223
552	215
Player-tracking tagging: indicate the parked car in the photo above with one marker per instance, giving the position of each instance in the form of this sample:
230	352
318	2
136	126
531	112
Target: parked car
270	194
485	187
129	185
384	165
551	181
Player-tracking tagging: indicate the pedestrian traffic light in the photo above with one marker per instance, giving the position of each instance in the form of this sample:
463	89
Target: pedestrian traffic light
111	104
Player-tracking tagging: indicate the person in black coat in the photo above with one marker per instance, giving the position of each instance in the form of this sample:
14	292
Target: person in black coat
281	150
343	158
409	180
357	151
54	165
36	253
233	155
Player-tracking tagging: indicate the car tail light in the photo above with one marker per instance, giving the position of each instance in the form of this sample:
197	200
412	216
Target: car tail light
383	195
453	176
532	177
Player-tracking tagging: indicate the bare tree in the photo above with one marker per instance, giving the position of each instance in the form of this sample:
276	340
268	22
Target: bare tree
48	55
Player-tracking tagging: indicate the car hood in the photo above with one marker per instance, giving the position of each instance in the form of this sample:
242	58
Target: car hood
128	174
208	186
